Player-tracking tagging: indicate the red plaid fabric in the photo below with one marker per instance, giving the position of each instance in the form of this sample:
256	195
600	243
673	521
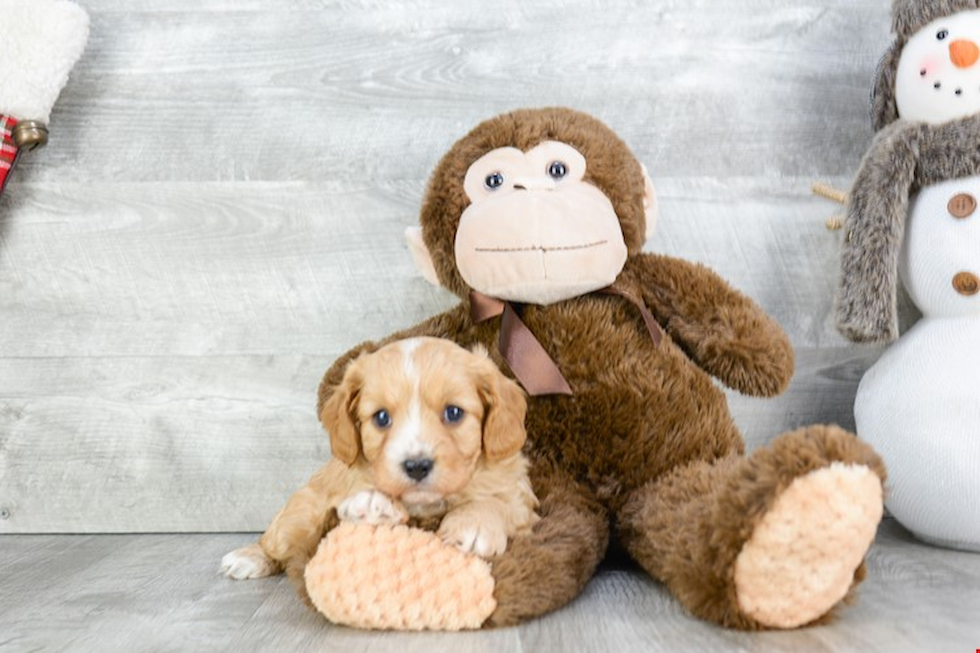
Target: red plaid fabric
8	152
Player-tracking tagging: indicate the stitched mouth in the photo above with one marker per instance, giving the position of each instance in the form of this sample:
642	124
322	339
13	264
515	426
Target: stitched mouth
540	248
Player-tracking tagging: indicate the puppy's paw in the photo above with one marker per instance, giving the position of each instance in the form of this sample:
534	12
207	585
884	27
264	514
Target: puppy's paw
248	562
471	535
371	507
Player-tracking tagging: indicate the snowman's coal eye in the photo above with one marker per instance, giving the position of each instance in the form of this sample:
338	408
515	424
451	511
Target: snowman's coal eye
942	34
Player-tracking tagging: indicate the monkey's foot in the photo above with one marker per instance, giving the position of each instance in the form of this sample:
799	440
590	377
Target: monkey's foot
398	578
801	558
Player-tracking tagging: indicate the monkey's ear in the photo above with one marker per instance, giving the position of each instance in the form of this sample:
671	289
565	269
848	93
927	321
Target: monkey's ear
650	204
421	255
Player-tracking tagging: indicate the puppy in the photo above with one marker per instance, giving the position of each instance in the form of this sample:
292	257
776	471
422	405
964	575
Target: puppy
419	428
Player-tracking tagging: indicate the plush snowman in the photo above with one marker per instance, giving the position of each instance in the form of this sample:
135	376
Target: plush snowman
914	214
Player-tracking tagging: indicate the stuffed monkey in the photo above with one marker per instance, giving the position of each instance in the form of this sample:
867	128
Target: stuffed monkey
536	220
913	214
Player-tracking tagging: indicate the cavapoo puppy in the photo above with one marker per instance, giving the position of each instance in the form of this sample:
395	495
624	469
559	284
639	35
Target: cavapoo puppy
420	428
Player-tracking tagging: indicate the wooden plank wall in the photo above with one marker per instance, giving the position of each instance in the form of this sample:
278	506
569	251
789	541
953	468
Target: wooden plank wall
220	213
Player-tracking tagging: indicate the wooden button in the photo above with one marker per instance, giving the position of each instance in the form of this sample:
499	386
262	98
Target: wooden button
966	283
962	205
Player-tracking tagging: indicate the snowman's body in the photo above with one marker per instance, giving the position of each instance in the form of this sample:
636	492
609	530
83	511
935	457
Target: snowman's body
919	406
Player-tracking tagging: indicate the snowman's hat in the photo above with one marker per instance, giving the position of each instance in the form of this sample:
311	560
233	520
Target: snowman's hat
908	17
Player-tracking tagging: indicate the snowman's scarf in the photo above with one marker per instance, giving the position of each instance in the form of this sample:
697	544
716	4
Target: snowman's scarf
904	158
947	151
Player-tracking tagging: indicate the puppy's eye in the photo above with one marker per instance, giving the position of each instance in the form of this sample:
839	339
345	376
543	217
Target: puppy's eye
452	414
381	419
942	34
494	181
557	170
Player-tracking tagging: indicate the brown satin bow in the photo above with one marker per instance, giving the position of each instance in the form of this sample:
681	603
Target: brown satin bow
531	364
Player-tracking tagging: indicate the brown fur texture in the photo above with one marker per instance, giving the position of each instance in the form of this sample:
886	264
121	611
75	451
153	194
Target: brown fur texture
903	158
728	500
646	445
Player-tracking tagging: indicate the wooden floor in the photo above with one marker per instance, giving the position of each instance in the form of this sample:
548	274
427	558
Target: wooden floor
163	593
219	215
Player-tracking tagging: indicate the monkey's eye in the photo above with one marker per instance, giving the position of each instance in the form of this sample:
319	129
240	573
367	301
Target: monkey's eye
557	170
942	34
494	181
381	419
452	414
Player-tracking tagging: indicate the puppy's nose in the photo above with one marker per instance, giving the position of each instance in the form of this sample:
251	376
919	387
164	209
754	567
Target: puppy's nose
963	53
418	468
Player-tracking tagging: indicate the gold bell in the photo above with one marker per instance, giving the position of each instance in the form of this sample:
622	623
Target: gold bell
29	135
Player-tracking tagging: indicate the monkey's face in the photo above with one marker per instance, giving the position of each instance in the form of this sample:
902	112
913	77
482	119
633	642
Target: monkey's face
534	206
939	71
535	231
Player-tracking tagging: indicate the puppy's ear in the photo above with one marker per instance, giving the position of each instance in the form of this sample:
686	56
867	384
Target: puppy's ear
503	425
339	417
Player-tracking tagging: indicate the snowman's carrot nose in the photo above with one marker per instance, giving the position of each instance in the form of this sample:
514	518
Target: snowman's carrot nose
964	53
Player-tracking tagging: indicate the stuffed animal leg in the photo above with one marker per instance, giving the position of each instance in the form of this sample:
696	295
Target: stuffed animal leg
42	40
773	540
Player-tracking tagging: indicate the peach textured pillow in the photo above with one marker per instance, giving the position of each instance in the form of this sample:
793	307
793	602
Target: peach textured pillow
400	578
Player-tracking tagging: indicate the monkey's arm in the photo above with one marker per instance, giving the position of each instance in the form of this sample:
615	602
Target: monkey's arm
721	329
867	302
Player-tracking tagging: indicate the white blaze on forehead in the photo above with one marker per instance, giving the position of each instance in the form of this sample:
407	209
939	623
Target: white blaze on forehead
929	86
408	348
405	441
